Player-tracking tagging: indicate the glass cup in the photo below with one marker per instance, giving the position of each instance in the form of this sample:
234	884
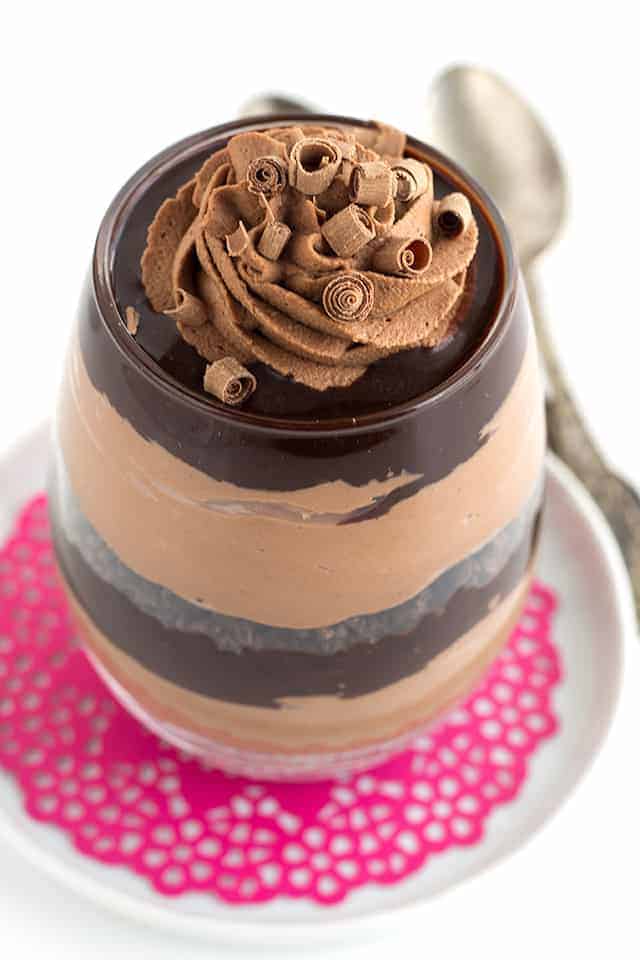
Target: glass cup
288	598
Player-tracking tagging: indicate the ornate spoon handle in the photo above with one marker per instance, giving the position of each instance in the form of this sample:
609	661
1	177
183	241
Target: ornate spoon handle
571	441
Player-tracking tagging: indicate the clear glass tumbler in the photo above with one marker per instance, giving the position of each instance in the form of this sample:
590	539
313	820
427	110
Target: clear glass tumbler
291	599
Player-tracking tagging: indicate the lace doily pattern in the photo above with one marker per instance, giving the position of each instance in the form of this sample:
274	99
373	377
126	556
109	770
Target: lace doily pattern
123	797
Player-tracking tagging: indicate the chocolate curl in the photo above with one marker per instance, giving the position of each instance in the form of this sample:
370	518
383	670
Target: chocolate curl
372	184
229	381
238	241
132	318
313	163
348	231
267	176
189	310
273	240
348	298
412	179
453	215
404	256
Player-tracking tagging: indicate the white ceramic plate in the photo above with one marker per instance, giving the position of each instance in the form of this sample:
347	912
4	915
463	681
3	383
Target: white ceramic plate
578	557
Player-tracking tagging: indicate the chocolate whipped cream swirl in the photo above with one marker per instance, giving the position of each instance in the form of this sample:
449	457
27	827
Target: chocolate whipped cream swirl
315	250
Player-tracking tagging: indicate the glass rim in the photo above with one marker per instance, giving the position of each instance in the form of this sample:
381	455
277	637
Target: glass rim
114	324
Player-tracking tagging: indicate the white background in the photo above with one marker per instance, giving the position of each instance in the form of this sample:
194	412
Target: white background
90	91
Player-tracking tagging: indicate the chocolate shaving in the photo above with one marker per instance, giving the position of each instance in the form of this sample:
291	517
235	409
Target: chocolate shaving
372	184
267	176
412	179
348	298
229	381
132	318
273	240
238	241
453	215
404	256
189	310
313	164
349	230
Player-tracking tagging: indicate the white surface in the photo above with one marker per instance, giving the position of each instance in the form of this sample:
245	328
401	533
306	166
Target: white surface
90	91
576	551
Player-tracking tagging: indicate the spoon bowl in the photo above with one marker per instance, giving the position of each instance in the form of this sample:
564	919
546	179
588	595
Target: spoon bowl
478	119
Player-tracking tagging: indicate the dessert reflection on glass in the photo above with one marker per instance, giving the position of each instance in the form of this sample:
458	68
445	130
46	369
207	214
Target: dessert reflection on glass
300	444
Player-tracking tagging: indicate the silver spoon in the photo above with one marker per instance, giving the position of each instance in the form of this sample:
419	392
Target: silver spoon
475	117
478	120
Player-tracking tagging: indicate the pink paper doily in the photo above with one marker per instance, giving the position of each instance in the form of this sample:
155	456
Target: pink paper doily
125	798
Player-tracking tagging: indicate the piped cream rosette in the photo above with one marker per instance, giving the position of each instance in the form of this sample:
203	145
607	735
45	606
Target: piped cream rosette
316	251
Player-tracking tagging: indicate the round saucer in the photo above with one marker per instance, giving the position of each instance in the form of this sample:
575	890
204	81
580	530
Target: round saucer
577	553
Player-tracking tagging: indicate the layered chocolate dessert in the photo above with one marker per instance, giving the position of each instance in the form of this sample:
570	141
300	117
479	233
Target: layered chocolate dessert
300	444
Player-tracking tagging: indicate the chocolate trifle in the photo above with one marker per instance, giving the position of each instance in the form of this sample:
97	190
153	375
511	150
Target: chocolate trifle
299	444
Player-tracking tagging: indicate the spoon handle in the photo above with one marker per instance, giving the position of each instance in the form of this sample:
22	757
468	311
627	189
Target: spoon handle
571	441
